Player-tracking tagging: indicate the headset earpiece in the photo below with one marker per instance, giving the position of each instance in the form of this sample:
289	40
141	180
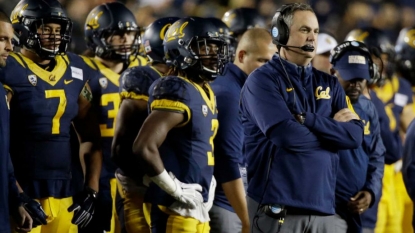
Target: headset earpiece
279	29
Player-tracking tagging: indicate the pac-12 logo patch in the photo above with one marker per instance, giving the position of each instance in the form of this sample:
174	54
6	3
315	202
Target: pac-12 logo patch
103	82
204	110
32	79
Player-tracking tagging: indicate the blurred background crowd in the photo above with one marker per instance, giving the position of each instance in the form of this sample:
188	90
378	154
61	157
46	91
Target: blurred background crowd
335	16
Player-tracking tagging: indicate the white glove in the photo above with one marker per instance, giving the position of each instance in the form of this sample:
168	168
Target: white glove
184	193
208	205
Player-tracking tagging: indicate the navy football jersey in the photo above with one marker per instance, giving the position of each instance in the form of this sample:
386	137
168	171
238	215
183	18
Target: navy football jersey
395	94
188	148
105	87
42	108
135	82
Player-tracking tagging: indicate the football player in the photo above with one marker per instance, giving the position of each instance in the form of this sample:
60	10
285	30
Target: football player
405	61
134	86
112	34
48	91
241	19
176	139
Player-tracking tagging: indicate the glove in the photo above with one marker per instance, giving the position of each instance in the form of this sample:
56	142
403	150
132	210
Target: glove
208	205
34	209
184	193
84	207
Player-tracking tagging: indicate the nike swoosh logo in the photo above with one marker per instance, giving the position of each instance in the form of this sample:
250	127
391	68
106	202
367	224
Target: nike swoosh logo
68	81
289	89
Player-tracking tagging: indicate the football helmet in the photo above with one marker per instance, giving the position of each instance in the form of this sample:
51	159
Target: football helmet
405	54
225	32
30	15
378	44
107	20
193	44
153	38
241	19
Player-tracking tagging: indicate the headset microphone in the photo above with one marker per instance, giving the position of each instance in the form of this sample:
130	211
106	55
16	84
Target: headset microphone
306	48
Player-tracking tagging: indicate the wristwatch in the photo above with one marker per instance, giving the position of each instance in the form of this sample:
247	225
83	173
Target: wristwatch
300	118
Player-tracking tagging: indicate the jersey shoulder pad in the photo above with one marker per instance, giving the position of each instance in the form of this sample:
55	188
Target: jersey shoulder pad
137	81
172	88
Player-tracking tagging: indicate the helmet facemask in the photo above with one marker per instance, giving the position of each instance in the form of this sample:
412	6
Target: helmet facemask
210	56
120	51
40	37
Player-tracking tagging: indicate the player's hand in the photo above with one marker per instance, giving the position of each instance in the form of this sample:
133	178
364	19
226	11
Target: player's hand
23	220
34	209
186	193
84	207
345	115
360	202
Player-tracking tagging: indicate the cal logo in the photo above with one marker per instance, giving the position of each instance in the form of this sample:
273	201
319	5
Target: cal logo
410	38
366	130
204	110
17	13
176	31
320	94
103	82
163	30
92	20
359	35
32	79
228	17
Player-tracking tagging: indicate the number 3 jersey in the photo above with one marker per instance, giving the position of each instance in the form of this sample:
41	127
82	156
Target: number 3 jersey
188	148
106	101
41	110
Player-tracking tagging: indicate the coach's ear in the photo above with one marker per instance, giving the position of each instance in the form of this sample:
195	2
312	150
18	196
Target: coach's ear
241	56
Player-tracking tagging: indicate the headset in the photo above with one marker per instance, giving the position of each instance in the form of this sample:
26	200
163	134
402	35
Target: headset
280	31
340	49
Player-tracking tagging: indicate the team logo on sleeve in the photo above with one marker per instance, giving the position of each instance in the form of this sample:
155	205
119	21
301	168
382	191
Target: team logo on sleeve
366	127
103	82
320	94
32	79
204	110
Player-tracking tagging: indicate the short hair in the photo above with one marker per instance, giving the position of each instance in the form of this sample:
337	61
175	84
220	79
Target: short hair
289	13
251	37
4	17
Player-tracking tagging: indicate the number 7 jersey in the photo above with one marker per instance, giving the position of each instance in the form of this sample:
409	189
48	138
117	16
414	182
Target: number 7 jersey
41	110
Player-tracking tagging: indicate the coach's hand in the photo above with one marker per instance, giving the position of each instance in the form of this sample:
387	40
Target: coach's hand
345	115
84	207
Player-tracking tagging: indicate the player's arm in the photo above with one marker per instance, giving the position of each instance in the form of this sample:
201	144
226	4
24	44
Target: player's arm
130	117
86	125
265	105
134	85
167	112
152	134
228	150
407	116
